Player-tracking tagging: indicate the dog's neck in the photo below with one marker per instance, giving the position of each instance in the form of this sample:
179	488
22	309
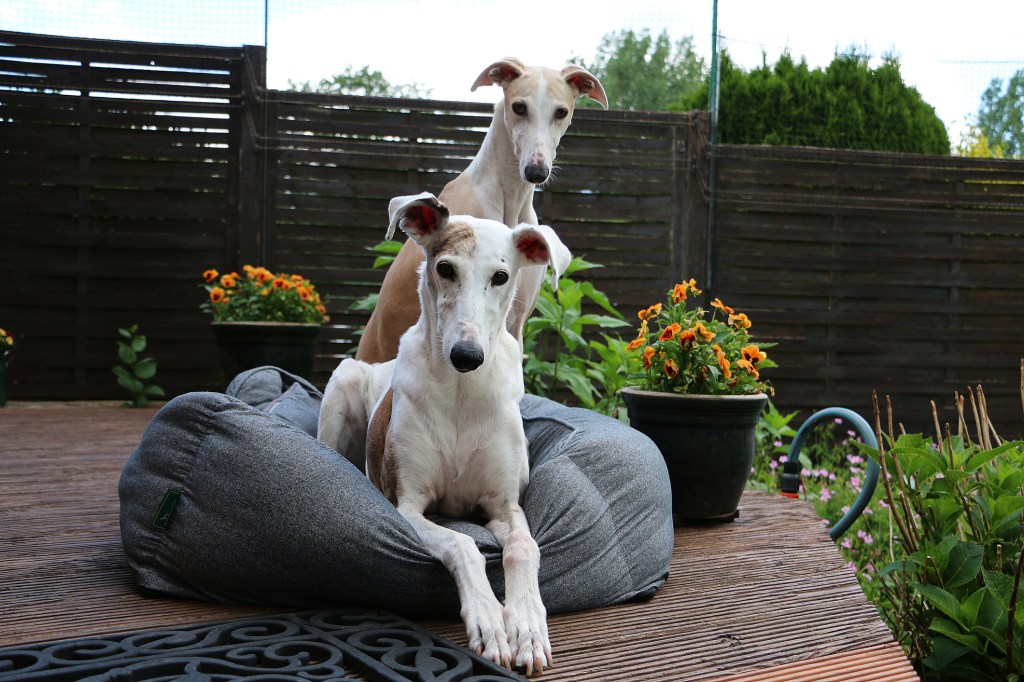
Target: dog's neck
496	178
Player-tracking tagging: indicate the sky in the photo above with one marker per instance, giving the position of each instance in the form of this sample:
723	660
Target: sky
948	50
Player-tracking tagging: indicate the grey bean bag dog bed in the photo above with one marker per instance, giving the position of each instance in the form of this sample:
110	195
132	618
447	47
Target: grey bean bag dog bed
231	498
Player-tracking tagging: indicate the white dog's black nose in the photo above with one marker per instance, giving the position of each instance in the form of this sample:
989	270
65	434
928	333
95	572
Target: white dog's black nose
536	173
467	356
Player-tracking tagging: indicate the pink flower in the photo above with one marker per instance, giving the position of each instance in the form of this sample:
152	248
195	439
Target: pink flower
773	465
865	537
847	543
825	494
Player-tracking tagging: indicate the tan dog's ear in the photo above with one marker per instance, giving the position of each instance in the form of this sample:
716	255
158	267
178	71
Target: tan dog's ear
540	245
419	216
500	73
585	83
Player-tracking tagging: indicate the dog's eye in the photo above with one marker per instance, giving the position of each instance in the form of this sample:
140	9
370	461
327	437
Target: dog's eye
561	112
519	108
446	270
499	278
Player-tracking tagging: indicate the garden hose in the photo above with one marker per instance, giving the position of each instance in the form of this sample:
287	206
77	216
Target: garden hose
867	435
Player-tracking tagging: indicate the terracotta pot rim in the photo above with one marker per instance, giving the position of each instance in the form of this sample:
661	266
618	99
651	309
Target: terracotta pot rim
693	396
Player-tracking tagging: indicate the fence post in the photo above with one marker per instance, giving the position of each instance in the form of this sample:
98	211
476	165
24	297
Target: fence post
253	209
692	241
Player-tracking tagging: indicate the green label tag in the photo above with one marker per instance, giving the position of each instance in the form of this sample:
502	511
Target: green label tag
163	514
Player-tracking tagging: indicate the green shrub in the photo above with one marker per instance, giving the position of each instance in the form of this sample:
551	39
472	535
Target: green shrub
137	369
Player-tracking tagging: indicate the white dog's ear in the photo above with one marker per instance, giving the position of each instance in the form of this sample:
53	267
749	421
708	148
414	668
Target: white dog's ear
418	215
585	83
500	73
539	245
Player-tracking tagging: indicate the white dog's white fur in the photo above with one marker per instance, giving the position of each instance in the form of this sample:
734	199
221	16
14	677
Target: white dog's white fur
448	435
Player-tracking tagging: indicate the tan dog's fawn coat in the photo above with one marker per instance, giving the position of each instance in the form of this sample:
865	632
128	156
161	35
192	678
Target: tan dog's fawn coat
517	153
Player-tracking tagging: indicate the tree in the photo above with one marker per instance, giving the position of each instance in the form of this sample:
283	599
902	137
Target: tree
641	73
975	144
1001	116
847	105
361	82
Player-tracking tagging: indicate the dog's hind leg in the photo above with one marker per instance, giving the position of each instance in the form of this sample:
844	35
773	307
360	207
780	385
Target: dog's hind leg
525	615
481	610
349	399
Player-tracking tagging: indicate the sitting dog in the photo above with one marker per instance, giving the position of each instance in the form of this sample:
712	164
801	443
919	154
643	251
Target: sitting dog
447	436
517	154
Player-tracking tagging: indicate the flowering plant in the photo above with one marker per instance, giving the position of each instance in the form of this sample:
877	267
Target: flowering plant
6	344
262	296
697	351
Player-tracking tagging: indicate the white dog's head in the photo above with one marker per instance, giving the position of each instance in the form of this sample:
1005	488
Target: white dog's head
468	280
537	109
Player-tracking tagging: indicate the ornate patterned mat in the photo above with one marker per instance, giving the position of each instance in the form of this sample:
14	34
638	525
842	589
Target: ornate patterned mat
338	645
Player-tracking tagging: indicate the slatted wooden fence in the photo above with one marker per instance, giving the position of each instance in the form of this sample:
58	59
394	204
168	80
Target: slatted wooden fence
127	169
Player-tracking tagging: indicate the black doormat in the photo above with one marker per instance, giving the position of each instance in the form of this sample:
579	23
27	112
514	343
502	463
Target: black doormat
338	645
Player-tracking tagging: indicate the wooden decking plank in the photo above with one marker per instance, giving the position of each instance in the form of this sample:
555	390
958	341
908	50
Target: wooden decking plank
765	595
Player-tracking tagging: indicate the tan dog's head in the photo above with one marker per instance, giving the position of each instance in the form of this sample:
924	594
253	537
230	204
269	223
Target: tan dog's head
537	109
468	279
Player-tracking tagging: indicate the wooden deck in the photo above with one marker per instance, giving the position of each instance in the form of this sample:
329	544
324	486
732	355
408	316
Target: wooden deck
767	597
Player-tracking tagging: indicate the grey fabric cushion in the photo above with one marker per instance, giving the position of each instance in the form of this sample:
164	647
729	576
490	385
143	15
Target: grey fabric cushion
265	513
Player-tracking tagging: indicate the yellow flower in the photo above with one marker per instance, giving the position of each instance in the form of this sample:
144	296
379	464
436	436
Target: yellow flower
678	293
648	355
210	275
216	295
740	320
692	286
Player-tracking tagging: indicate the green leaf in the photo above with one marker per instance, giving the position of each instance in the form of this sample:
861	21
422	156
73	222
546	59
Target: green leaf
154	390
599	298
124	332
997	640
964	564
145	368
941	600
139	344
126	354
944	652
952	631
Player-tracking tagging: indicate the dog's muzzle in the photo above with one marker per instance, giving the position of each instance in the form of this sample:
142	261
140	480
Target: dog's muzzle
467	356
536	173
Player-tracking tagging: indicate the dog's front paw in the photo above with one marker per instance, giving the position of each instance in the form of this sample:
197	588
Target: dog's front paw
485	629
527	628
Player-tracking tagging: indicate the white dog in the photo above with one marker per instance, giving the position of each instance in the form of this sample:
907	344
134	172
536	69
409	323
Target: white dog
447	436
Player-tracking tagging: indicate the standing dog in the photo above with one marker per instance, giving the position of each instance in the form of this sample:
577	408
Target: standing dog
517	154
447	436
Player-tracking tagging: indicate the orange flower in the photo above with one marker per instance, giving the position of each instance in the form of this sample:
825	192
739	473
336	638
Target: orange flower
227	281
249	270
670	331
210	275
723	362
296	278
282	283
216	295
263	275
654	310
678	293
702	331
321	309
635	343
648	354
692	286
717	303
740	320
749	366
305	294
671	369
687	338
753	354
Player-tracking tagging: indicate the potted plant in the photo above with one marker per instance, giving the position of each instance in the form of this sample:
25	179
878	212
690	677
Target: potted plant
263	318
6	346
697	392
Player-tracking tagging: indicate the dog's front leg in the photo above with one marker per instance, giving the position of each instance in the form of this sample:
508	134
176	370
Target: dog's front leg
525	615
481	610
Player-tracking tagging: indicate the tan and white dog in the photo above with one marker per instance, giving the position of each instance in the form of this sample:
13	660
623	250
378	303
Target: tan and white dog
518	153
447	435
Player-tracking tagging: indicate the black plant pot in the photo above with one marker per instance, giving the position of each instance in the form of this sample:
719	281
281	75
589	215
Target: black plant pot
708	443
244	345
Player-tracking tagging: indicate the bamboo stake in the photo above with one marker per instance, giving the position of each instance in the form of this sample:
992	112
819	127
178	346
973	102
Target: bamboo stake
911	545
977	419
905	496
